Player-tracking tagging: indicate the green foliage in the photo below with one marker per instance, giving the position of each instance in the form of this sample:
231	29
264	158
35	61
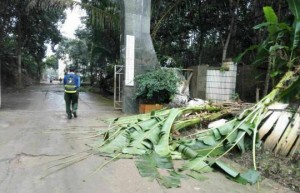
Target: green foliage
101	38
193	32
148	166
294	6
150	136
52	62
278	50
157	86
25	27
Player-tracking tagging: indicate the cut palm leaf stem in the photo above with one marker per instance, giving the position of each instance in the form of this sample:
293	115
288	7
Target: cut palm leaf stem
135	118
231	147
88	137
178	125
123	128
69	132
74	159
71	155
257	109
118	131
247	118
247	122
233	130
63	167
103	165
163	113
147	134
195	135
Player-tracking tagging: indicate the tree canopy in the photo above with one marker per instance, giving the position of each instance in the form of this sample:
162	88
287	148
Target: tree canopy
25	28
185	33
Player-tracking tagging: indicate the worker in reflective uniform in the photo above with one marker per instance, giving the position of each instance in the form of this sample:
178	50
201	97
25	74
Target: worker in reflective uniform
71	84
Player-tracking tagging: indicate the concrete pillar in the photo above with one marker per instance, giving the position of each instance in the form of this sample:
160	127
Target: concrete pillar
0	83
136	47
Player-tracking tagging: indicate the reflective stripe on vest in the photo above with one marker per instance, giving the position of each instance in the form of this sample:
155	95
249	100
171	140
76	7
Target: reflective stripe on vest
68	91
70	88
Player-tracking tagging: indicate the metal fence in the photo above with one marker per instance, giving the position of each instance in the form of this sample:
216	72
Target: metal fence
118	85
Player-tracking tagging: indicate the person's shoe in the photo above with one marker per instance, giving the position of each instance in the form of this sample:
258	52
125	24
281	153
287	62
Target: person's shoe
75	114
70	116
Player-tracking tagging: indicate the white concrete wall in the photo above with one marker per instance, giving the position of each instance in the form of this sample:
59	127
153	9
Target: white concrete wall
220	85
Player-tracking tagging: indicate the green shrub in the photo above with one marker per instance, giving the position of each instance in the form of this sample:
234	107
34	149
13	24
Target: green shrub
157	86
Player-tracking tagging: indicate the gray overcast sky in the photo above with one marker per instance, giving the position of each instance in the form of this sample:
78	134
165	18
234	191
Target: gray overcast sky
72	22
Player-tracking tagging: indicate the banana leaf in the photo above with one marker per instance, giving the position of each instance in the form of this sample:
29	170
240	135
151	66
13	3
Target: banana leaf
197	164
149	165
162	148
186	152
197	176
228	170
117	144
152	134
250	176
134	151
272	19
294	6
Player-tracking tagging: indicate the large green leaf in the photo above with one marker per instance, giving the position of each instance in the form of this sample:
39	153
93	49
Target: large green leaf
149	123
277	47
187	152
294	6
197	176
251	176
151	136
133	151
117	144
296	34
272	19
162	148
292	91
228	170
240	141
148	167
197	164
171	181
261	25
226	128
200	148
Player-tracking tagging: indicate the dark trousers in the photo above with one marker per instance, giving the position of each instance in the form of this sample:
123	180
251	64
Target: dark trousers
71	102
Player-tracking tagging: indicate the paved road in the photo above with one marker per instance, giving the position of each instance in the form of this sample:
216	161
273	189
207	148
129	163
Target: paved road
35	134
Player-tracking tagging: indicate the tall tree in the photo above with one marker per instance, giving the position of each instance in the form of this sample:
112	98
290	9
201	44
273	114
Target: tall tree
28	25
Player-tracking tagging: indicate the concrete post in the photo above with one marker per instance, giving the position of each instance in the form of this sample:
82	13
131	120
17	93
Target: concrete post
0	83
137	51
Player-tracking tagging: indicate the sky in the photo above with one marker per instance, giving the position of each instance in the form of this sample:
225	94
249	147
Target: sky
71	23
67	29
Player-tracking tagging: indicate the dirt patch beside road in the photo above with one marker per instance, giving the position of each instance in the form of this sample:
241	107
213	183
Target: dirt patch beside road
283	170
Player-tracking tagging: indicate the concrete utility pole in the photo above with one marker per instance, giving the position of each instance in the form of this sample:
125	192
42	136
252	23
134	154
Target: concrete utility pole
0	83
137	51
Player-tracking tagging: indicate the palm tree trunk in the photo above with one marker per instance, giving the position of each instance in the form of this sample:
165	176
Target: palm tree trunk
19	51
224	54
19	82
267	81
231	27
